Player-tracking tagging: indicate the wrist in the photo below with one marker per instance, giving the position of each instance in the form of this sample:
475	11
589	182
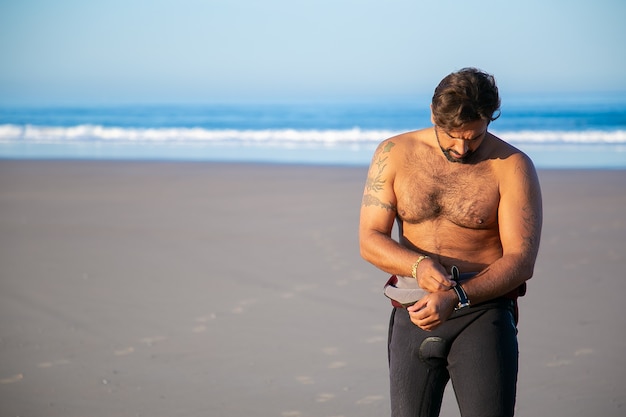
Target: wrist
461	295
417	264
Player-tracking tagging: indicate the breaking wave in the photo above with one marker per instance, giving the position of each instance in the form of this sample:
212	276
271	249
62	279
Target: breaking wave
10	133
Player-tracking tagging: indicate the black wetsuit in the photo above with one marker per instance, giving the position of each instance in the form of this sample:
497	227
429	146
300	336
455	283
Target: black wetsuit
476	348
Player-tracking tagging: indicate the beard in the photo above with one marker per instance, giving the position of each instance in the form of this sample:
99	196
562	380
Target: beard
462	160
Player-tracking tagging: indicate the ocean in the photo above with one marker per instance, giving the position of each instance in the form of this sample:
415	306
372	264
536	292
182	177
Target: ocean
557	132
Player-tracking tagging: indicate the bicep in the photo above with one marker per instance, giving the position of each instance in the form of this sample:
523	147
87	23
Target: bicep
520	210
378	206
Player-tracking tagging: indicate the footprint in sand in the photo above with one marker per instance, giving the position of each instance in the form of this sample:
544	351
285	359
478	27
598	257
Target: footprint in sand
583	352
241	306
53	363
562	362
291	413
370	399
12	379
330	351
337	365
324	397
305	380
559	362
125	351
297	289
151	341
199	329
205	319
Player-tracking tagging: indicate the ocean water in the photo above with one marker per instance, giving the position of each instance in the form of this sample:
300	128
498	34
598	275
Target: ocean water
585	131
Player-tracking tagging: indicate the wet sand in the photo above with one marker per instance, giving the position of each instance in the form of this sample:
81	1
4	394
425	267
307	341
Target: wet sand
197	289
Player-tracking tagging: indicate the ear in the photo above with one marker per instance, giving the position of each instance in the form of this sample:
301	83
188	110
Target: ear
432	116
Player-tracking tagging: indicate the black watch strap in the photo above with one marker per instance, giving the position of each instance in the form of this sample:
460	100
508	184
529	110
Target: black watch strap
460	292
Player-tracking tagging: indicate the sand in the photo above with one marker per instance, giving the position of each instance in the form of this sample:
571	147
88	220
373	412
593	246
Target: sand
199	289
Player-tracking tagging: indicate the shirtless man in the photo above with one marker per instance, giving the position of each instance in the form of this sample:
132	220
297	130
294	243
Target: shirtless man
461	197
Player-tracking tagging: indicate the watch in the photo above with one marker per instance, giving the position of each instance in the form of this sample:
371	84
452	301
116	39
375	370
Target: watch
464	302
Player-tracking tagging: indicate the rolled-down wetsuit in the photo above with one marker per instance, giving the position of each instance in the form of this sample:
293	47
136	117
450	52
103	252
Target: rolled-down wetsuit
476	348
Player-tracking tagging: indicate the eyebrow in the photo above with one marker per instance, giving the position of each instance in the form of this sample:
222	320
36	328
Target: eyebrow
474	138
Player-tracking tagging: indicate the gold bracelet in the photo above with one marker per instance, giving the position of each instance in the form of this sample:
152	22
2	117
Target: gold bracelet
416	264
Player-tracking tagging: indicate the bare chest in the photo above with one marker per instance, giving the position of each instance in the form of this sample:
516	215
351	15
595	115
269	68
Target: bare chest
467	197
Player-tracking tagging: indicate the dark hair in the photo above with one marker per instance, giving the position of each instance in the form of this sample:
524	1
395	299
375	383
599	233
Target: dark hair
465	96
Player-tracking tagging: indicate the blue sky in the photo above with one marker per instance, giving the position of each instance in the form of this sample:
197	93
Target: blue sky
158	51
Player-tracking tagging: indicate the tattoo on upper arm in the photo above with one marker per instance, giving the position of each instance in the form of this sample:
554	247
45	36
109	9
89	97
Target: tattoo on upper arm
370	200
375	181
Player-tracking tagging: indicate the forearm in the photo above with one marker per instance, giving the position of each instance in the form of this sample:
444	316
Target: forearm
501	277
386	254
519	221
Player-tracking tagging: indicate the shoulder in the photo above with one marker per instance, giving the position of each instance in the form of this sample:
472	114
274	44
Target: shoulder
511	164
398	142
396	148
507	156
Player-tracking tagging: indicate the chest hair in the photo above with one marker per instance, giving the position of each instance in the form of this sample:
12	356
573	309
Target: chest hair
464	194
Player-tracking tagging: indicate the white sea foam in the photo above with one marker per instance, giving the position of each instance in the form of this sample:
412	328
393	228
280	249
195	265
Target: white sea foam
574	137
39	134
275	137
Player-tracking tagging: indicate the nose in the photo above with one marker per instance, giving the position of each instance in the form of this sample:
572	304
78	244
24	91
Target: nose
460	147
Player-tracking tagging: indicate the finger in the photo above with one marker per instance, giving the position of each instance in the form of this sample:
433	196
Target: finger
446	280
420	304
427	323
421	323
430	327
440	278
422	316
442	284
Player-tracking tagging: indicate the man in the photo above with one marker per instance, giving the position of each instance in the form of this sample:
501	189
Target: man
462	198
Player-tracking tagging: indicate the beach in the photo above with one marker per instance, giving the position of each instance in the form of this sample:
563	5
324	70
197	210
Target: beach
226	289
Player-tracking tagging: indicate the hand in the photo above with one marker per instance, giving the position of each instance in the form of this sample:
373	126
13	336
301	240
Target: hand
432	277
433	309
